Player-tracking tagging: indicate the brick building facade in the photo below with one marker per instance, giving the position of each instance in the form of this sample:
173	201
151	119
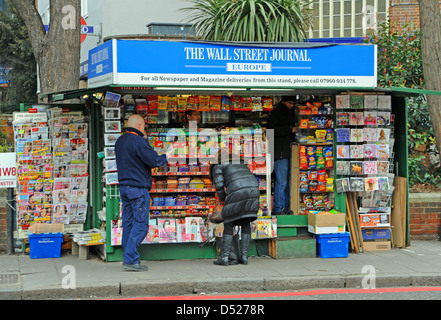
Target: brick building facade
404	10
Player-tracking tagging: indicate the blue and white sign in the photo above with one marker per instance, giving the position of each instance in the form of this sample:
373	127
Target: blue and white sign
199	64
101	64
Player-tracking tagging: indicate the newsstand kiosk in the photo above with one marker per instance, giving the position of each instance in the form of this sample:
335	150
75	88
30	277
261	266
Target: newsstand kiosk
351	141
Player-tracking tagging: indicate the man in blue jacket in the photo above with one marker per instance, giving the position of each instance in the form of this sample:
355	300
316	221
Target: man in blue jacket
134	159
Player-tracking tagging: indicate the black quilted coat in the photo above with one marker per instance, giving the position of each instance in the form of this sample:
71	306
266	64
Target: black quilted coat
238	189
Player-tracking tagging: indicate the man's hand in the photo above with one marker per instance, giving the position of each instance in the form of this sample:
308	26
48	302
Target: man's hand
170	152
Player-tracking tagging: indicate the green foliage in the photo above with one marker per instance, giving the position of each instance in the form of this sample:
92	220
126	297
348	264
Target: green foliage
249	20
400	65
16	53
419	174
399	55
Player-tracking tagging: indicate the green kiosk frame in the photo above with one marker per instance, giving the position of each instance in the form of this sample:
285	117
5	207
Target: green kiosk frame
111	69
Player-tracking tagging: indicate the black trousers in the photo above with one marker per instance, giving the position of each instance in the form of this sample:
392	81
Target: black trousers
243	223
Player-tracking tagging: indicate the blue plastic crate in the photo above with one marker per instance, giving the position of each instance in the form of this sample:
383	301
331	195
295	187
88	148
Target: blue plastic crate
333	245
45	245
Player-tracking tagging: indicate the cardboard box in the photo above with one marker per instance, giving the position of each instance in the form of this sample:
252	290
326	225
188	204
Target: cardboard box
377	235
374	220
326	223
38	228
376	245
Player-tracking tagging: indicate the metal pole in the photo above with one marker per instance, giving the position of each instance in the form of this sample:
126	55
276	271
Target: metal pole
10	220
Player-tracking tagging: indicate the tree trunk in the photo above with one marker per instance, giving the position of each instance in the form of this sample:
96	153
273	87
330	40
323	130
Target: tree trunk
430	21
56	52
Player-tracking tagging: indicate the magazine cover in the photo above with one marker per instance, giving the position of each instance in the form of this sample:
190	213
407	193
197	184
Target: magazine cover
181	235
60	213
78	196
192	228
153	234
79	183
264	229
116	232
61	183
61	196
167	230
61	171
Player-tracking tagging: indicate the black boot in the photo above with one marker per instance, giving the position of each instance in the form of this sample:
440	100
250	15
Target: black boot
233	258
244	245
227	241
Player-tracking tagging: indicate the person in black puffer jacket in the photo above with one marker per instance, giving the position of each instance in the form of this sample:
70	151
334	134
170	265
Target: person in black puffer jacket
238	191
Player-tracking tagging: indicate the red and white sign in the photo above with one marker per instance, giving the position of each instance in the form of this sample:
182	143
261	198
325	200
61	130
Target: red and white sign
8	170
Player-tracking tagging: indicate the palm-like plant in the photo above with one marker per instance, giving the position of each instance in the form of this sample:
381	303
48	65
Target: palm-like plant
249	20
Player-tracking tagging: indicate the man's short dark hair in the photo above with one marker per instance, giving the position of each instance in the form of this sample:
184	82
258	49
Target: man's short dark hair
189	113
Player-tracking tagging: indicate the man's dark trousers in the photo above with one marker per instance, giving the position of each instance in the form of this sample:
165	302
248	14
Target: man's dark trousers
135	220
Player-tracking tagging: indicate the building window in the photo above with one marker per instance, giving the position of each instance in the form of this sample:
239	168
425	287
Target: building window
346	18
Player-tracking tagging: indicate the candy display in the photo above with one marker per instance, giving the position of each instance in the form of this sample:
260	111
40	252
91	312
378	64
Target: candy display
316	156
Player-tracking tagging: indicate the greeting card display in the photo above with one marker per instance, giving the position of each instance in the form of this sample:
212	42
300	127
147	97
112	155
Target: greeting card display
342	185
369	134
356	118
370	167
356	102
383	135
356	135
343	152
343	134
383	118
356	184
371	184
370	151
342	118
356	168
370	102
383	150
356	152
370	118
382	167
342	101
384	102
342	168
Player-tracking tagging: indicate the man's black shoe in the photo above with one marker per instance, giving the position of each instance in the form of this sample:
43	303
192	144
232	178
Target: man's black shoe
135	267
